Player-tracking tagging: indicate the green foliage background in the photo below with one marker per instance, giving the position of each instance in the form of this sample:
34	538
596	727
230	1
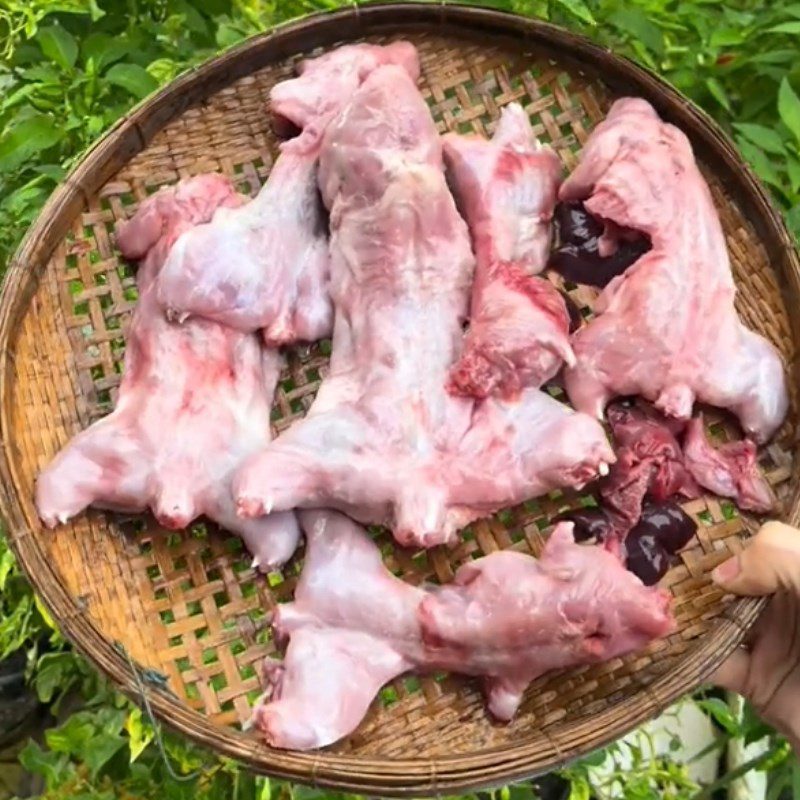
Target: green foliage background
69	69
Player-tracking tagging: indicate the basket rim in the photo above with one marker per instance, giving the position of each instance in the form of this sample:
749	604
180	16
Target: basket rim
132	134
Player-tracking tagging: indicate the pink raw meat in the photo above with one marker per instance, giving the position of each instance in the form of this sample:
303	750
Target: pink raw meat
384	441
310	101
649	462
666	328
194	401
508	618
519	326
265	265
730	470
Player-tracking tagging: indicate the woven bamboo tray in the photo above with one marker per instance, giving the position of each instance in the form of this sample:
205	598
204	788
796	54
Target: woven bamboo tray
188	605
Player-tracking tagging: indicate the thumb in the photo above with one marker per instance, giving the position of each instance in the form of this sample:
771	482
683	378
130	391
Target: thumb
771	562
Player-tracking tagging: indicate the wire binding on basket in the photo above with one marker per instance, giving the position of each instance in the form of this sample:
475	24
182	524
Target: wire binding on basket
140	677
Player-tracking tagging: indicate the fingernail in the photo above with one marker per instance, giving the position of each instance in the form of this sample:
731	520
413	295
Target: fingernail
727	570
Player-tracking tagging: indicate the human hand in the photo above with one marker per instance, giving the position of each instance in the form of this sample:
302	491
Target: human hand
766	670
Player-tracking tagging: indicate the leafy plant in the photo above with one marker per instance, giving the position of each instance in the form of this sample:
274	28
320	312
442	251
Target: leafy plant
24	622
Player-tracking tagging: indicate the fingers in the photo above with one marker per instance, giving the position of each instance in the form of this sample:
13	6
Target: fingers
770	563
732	675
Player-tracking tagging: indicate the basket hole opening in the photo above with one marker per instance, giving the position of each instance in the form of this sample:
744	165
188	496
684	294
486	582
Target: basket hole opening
505	517
221	599
388	696
705	518
193	608
233	545
124	271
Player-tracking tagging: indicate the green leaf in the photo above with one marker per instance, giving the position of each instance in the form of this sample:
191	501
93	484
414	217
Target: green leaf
580	789
193	20
773	57
100	750
793	223
718	93
15	628
579	9
44	613
721	712
635	22
54	671
18	96
768	139
104	50
795	773
35	133
51	766
163	69
521	792
789	108
59	45
785	27
727	37
227	35
760	163
793	172
43	73
595	759
139	734
7	564
72	737
133	78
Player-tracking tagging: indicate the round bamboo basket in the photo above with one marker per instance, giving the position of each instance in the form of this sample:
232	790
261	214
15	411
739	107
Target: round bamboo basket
184	611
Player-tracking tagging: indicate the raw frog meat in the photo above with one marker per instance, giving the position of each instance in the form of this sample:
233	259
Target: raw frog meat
507	618
308	103
519	326
384	441
730	470
265	265
666	329
193	403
